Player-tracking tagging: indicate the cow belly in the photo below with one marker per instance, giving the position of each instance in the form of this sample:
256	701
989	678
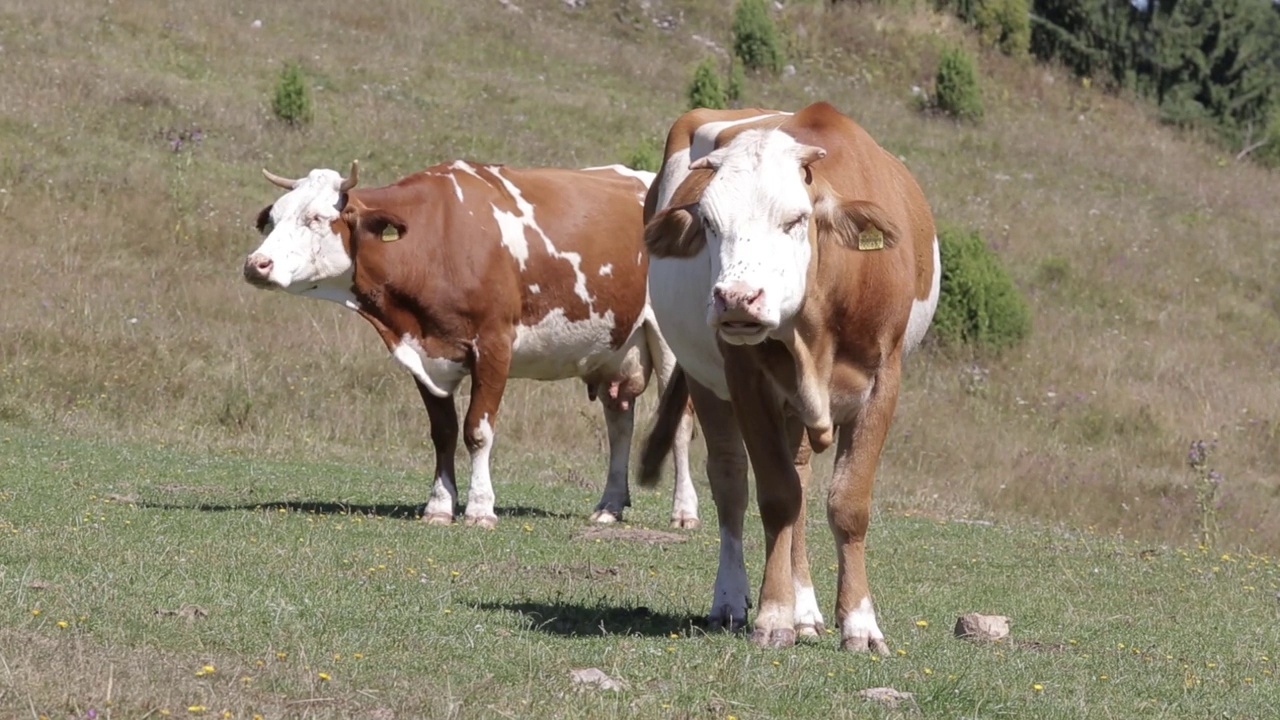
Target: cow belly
557	348
678	293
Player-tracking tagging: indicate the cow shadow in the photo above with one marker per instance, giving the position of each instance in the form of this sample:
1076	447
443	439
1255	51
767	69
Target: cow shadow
579	620
318	507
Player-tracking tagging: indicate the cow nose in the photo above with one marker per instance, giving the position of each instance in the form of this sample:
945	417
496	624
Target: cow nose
737	296
257	267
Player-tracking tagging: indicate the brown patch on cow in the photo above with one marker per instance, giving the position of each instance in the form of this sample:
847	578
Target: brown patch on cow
652	537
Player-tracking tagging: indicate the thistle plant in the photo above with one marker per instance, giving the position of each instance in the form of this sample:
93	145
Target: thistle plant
1207	483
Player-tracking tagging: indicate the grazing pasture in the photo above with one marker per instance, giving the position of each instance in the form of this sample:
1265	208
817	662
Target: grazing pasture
141	581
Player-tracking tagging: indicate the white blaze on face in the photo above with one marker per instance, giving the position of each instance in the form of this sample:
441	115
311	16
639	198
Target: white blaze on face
307	256
755	215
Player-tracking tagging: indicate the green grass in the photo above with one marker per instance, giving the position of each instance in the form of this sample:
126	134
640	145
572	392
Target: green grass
307	568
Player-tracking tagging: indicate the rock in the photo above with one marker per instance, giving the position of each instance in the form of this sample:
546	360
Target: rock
789	70
596	677
886	696
982	627
575	4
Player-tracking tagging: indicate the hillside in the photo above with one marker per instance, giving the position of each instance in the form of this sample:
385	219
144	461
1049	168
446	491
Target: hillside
132	134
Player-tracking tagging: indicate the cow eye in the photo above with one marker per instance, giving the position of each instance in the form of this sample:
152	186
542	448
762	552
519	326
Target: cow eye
794	223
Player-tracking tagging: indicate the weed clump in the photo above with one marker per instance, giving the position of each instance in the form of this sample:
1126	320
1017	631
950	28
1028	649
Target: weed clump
292	101
706	90
979	306
956	92
755	38
646	155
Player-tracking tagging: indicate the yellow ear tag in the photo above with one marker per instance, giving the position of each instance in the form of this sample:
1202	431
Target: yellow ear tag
390	233
871	239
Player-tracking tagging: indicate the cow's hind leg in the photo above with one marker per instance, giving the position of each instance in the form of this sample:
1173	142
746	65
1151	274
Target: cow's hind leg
444	439
488	382
619	419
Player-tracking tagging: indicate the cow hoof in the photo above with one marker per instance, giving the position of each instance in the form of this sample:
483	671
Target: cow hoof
488	522
605	517
810	630
438	519
726	622
780	638
685	523
861	643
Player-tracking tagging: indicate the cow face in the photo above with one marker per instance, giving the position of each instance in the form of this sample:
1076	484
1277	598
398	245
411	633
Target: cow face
753	217
303	251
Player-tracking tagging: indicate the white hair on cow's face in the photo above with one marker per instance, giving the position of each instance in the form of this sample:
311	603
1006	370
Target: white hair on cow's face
307	256
755	213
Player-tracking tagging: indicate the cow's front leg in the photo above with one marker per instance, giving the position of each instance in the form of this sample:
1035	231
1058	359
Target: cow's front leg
727	475
444	439
488	382
619	420
849	510
778	495
808	617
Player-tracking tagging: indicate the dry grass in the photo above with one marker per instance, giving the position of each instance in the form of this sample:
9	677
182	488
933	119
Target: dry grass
1149	258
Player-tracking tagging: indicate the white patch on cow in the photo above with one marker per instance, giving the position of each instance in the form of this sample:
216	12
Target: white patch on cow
807	612
480	495
520	248
732	591
557	348
606	269
534	289
922	310
457	186
341	295
861	623
677	288
465	167
639	257
643	176
305	253
441	501
440	376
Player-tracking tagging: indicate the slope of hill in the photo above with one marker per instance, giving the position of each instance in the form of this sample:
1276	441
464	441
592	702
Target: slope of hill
131	137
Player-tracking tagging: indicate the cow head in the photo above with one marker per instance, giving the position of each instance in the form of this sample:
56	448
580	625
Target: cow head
303	250
759	222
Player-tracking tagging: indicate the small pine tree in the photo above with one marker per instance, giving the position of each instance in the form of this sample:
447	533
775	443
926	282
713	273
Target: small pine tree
292	102
1005	24
706	90
755	37
957	91
979	306
737	82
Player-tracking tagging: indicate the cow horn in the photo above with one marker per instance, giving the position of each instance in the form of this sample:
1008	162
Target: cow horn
350	182
285	183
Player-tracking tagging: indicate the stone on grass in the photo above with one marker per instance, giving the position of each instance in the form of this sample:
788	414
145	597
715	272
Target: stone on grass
886	696
977	627
596	677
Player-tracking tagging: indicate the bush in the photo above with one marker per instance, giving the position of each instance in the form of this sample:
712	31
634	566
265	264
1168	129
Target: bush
755	37
1005	24
646	155
706	90
737	82
979	305
957	91
292	102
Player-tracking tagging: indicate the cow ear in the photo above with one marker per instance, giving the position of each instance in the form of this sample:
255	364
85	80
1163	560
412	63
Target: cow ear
858	225
264	223
382	223
674	232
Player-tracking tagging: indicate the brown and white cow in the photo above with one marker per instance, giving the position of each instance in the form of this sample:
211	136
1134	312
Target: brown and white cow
490	272
793	265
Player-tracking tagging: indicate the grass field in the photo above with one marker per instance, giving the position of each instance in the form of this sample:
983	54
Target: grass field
194	472
146	582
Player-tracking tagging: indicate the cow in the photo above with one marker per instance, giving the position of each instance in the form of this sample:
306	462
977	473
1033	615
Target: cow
488	272
793	264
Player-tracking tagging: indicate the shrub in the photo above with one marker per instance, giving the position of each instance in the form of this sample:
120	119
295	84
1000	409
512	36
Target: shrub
1005	24
979	305
292	102
706	90
957	91
737	82
646	155
755	37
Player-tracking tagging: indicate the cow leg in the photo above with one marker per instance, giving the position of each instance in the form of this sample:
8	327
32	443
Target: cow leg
488	381
684	498
808	617
849	509
772	451
444	439
727	473
620	424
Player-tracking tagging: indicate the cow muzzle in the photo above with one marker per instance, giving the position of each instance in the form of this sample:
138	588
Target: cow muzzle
257	270
739	312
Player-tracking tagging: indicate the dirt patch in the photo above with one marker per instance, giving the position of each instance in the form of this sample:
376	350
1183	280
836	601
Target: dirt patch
653	537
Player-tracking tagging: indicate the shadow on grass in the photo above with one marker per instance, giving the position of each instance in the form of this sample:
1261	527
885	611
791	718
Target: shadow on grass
313	507
570	620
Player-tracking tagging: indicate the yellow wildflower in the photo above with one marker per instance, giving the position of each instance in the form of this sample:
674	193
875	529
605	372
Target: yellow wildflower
922	623
324	677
